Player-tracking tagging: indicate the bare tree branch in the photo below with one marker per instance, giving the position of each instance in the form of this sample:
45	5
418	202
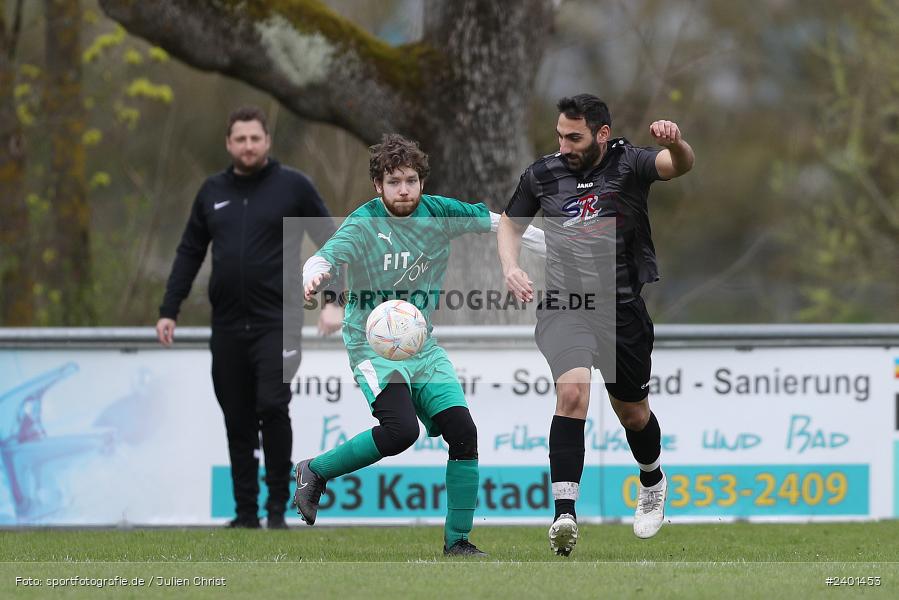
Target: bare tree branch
713	282
464	92
16	30
316	63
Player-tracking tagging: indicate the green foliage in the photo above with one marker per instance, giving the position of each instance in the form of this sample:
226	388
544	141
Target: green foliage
847	242
144	88
133	57
92	137
102	43
38	208
126	115
124	80
100	179
23	112
158	54
30	71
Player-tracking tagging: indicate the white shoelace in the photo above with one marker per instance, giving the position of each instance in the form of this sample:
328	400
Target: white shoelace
651	501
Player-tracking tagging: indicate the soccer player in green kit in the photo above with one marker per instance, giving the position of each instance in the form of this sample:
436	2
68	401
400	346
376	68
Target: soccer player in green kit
399	243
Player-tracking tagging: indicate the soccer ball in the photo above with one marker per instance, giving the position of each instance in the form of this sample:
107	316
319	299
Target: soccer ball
396	329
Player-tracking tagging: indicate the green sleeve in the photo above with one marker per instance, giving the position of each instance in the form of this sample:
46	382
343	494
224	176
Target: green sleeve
341	248
463	217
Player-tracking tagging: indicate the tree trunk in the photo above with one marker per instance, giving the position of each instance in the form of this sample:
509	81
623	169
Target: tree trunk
474	114
463	91
68	263
16	285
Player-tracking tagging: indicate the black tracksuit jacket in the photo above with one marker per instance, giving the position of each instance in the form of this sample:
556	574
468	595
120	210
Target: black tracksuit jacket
242	217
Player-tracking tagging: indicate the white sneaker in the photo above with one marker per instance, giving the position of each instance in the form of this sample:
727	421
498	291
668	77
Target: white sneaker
650	512
563	535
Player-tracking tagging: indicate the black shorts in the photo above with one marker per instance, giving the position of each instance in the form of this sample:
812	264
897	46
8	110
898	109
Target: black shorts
571	338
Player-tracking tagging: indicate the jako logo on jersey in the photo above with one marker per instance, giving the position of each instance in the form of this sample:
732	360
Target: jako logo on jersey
381	236
584	185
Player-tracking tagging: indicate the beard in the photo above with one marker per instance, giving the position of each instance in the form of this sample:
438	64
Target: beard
400	208
583	161
250	164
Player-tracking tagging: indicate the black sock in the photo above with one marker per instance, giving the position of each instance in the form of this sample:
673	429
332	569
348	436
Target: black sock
566	459
646	446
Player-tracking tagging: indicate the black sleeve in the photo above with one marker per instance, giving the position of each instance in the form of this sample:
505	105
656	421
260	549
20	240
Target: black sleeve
643	162
322	227
524	204
188	259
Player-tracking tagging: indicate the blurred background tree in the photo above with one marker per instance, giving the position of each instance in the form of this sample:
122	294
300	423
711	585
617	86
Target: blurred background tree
790	214
16	299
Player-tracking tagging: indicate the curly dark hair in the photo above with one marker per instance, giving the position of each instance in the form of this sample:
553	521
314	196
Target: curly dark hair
395	152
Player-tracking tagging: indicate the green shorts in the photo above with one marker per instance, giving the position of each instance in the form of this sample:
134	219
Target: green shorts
430	375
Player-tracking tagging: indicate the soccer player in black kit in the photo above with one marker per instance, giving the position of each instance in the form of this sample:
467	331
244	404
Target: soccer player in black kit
255	337
594	174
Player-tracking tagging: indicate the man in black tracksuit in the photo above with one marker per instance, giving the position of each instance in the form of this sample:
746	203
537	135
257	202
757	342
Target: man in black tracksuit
240	210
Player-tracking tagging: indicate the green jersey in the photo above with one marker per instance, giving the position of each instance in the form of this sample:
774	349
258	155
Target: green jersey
390	257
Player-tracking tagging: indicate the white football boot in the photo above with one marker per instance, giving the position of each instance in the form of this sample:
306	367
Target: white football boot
563	535
650	512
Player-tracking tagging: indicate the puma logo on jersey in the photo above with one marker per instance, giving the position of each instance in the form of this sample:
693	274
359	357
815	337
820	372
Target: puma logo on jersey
381	236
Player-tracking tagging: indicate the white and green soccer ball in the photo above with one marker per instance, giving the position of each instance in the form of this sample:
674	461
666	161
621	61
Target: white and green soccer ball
396	329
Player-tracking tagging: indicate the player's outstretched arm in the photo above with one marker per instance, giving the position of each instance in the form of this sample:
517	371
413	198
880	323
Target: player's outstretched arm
677	157
532	237
508	242
315	271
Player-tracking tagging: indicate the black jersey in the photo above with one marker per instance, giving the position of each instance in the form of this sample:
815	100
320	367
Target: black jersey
582	210
242	217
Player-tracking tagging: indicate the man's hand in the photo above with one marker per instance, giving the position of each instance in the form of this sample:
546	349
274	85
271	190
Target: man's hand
312	287
665	133
518	282
677	157
330	319
165	331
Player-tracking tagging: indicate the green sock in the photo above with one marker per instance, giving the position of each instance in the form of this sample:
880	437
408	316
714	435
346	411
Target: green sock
462	481
350	456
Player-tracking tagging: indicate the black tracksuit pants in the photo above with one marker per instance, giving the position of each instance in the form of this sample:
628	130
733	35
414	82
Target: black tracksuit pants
247	377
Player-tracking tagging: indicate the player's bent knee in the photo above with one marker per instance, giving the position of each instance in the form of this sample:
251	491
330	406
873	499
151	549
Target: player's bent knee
634	419
464	446
399	438
459	432
571	399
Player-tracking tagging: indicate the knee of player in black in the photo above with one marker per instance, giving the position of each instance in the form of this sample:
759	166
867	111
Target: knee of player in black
459	432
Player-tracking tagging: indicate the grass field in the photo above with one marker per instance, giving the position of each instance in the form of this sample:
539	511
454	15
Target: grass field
684	561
